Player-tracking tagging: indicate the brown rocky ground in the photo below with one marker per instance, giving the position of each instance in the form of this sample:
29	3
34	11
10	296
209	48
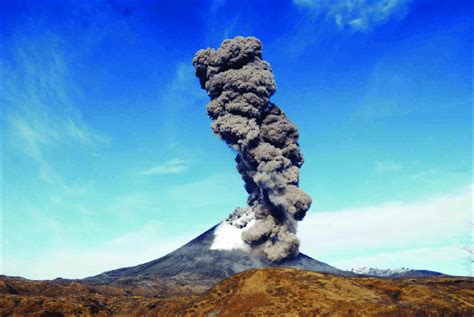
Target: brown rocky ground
261	292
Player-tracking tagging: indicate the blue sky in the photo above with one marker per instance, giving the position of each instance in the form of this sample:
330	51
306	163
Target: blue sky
108	159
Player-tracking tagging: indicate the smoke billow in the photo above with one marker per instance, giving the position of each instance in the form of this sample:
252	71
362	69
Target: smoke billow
240	84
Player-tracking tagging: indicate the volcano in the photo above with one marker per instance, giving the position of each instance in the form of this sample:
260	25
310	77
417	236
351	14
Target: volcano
196	260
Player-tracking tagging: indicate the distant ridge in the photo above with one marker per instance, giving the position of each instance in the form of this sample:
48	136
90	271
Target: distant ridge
393	273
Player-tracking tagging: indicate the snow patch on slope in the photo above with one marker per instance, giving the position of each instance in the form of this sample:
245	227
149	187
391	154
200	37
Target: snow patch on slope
227	235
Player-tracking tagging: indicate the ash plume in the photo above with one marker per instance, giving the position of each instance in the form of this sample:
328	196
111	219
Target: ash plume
240	83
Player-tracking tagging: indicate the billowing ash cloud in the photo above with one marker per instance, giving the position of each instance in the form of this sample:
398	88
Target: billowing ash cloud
240	84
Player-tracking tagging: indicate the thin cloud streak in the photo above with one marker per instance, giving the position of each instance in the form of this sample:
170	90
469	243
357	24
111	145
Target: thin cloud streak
175	166
319	20
41	110
358	15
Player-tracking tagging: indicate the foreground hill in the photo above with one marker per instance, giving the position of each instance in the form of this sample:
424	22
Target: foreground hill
286	291
269	291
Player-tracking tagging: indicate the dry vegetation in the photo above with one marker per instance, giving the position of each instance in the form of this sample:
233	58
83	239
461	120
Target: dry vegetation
261	292
292	292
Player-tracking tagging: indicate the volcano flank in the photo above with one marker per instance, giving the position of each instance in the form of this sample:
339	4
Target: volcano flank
197	261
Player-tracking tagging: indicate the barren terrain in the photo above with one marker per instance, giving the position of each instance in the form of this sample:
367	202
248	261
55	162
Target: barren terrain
260	292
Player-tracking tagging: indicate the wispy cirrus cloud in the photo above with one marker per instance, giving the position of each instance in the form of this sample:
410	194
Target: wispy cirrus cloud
318	20
356	15
41	101
174	166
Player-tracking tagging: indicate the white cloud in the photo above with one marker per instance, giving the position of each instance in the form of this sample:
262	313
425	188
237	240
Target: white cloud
357	15
175	166
375	232
387	166
148	243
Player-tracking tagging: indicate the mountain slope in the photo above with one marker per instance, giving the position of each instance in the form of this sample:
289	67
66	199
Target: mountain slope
196	260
